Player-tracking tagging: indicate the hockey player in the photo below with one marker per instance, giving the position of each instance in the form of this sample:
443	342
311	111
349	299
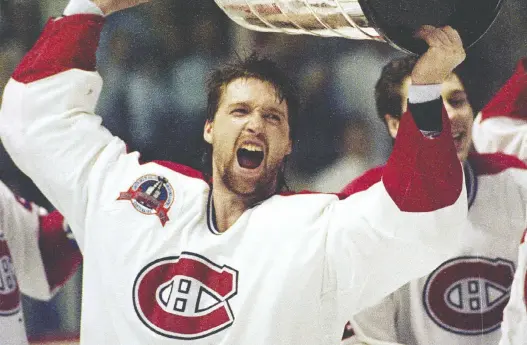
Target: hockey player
502	127
462	300
36	258
171	257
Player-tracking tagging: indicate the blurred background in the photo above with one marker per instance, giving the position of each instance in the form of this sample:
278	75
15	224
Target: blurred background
155	60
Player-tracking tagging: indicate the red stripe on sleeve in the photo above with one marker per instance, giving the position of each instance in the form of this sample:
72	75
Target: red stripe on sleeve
511	99
423	174
67	43
363	182
60	255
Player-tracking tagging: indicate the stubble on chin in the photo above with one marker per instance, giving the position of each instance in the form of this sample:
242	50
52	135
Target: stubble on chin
264	187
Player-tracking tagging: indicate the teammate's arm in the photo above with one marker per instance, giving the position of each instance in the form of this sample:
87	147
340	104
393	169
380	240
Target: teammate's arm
43	256
402	226
47	120
502	124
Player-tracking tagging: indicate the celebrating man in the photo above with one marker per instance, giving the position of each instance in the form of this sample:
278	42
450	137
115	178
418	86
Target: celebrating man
174	257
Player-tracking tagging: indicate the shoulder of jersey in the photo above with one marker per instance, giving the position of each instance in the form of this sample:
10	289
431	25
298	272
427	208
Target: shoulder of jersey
183	169
363	182
494	163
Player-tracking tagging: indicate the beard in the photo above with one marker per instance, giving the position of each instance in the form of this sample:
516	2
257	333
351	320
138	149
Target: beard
260	189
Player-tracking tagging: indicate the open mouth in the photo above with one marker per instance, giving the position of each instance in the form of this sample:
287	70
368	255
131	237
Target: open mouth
250	156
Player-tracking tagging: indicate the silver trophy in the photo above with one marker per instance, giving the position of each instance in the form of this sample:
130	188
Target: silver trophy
392	21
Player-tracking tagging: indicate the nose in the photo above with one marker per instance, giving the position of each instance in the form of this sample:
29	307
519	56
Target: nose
255	123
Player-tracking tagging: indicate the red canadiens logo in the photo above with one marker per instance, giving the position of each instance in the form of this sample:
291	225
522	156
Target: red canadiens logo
467	295
185	297
9	292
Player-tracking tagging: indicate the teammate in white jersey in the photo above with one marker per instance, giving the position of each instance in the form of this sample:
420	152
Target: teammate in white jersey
173	258
461	302
36	258
502	127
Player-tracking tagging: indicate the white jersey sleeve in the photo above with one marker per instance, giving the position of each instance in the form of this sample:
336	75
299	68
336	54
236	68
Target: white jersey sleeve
64	170
410	218
502	124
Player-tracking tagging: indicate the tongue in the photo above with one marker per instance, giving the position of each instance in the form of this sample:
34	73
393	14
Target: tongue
249	160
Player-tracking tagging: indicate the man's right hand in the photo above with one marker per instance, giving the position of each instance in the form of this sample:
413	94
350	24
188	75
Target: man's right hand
444	54
110	6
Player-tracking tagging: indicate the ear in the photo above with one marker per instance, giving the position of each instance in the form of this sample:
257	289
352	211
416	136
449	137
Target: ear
208	131
393	124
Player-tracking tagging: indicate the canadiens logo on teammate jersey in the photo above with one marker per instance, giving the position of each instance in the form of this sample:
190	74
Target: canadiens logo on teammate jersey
9	292
185	297
152	195
467	295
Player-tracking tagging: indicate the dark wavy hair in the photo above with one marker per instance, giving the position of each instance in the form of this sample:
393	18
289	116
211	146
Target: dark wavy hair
256	67
388	95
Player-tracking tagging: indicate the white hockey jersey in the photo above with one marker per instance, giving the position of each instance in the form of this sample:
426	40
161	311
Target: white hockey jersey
502	127
461	302
156	271
36	258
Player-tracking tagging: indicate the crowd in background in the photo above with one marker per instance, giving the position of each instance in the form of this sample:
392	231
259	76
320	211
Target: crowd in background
155	60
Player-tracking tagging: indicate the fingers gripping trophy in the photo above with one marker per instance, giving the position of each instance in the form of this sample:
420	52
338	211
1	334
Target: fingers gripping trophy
392	21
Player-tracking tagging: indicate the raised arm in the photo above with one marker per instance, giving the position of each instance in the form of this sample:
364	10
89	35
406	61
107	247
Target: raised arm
47	120
43	255
402	224
502	124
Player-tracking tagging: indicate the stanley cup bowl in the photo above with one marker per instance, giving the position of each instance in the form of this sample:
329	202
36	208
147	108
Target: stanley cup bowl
392	21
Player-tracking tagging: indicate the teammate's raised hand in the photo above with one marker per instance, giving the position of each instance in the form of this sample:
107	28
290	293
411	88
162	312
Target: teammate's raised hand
110	6
444	54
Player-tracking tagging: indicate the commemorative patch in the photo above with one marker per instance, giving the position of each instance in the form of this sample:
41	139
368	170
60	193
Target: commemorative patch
151	195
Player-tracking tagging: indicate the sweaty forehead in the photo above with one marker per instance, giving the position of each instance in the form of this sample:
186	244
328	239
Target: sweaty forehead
252	91
451	85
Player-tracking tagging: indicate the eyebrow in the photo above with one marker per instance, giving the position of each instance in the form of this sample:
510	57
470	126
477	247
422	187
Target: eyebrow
238	104
457	93
274	110
265	109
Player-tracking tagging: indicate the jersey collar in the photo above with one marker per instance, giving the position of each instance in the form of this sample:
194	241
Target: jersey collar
471	182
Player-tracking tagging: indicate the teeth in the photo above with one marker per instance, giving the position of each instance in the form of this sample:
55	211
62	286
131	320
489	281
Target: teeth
252	147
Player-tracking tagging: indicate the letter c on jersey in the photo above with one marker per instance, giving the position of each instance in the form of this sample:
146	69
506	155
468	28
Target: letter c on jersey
467	295
185	297
9	292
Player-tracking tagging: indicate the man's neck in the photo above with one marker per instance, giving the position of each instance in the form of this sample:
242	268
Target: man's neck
228	206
